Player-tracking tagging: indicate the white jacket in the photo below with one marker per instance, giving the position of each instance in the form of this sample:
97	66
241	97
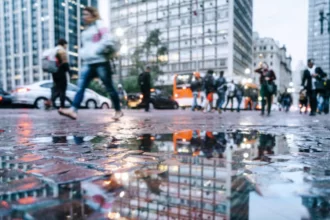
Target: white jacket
94	39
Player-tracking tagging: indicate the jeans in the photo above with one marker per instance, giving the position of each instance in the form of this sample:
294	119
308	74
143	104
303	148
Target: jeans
286	104
88	72
231	100
221	100
239	101
195	96
320	103
326	105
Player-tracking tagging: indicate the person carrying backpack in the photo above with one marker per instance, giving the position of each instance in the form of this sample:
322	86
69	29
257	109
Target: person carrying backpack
144	82
221	90
231	94
59	74
195	87
208	86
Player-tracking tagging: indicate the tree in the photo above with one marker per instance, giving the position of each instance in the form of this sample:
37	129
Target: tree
152	52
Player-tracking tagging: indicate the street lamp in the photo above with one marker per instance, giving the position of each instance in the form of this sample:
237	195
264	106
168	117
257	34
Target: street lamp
247	71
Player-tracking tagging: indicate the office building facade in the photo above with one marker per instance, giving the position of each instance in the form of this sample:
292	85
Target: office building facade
318	44
200	35
27	28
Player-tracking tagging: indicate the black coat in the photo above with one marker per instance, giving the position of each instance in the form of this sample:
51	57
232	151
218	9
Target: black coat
145	82
308	78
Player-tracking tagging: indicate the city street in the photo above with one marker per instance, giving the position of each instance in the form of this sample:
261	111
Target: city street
173	164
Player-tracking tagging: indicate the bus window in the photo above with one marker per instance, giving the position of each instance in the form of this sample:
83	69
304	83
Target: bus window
183	80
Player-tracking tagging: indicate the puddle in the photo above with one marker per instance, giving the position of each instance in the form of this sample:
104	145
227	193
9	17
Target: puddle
185	175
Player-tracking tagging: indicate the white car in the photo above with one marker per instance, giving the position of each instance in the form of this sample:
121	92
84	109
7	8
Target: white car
36	94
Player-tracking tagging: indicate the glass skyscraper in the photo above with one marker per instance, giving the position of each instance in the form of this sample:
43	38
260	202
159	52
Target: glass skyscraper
27	28
318	44
200	35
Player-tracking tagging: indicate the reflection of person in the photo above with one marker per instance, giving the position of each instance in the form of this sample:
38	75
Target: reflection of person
146	143
145	86
267	90
95	40
266	146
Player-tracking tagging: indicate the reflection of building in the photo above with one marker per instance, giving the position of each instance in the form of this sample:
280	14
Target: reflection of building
197	187
199	35
318	44
30	27
268	50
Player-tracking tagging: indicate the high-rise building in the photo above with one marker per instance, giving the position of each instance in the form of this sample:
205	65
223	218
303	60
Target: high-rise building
318	44
27	28
200	35
268	50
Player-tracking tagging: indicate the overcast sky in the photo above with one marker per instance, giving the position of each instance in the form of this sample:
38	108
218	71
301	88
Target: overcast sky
284	20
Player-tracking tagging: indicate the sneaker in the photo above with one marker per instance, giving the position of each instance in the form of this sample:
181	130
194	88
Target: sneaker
118	115
219	110
68	113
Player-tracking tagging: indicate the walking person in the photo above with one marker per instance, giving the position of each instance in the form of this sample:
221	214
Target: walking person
221	90
268	87
122	96
60	81
195	87
208	86
145	86
286	100
303	102
96	41
239	96
311	82
231	94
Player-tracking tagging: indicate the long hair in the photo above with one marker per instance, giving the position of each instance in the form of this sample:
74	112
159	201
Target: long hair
94	12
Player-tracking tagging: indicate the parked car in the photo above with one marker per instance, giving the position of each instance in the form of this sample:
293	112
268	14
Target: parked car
5	98
36	94
158	100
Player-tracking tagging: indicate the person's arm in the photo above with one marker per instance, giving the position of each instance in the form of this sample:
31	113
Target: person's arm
303	82
259	70
273	75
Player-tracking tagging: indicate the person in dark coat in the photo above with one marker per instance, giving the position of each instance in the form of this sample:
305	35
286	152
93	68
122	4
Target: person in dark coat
209	88
145	86
310	79
267	78
286	100
221	87
195	87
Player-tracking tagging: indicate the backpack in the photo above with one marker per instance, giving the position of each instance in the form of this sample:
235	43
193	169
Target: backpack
49	61
209	83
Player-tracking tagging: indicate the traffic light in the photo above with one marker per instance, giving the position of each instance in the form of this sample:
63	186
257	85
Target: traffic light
322	20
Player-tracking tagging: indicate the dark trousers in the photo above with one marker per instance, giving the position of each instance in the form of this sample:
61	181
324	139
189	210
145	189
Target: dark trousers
59	88
266	99
231	99
146	99
312	96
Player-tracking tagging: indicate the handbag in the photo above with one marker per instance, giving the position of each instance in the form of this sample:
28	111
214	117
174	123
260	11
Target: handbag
320	84
270	88
49	61
111	50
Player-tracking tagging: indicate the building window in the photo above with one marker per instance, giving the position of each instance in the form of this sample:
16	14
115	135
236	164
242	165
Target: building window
265	48
271	63
272	48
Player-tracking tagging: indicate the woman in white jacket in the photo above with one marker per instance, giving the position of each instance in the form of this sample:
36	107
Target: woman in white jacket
95	38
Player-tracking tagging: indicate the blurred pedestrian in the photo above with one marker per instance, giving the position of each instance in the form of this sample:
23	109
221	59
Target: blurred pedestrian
97	47
60	81
209	87
286	100
303	102
122	95
221	90
145	86
239	96
195	86
231	94
268	87
311	79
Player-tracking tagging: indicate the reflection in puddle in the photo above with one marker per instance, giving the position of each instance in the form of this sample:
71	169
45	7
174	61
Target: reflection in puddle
185	175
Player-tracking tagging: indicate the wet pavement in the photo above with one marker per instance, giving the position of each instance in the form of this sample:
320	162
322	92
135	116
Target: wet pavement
168	165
